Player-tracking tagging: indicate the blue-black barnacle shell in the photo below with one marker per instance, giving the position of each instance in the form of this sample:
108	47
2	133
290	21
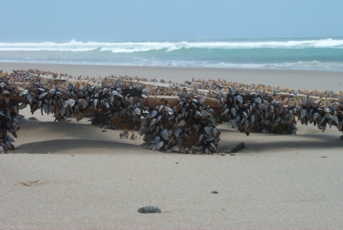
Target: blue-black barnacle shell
149	209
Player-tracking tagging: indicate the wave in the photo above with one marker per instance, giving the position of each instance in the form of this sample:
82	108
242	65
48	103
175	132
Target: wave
299	65
168	46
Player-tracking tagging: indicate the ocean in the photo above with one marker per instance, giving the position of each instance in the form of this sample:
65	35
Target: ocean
323	54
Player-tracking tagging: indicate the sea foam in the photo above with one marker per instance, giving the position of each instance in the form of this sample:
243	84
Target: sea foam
129	47
316	54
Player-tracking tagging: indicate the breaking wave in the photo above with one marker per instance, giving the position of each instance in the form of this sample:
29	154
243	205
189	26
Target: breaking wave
131	47
307	54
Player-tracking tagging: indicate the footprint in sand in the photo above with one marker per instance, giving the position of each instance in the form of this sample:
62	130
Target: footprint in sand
32	183
35	183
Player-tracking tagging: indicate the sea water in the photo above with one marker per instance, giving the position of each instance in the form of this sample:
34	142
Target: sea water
300	54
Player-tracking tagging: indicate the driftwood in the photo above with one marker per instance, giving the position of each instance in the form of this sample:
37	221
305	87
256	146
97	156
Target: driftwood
178	117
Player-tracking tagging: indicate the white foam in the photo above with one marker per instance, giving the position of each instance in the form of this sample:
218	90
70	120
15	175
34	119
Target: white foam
130	47
300	65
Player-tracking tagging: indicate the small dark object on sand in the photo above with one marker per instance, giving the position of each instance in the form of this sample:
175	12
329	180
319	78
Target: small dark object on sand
214	192
235	149
149	209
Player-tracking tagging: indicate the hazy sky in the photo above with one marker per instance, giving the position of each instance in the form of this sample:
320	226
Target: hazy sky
129	20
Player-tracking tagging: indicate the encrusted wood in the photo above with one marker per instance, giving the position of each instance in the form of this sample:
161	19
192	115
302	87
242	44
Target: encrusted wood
178	117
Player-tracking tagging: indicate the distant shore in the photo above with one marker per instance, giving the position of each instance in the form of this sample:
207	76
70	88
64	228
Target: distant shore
297	79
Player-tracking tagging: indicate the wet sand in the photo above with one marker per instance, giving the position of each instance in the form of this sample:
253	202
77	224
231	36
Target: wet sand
72	175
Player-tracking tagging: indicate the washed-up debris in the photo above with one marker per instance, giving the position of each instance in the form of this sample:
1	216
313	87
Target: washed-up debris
149	209
179	117
235	149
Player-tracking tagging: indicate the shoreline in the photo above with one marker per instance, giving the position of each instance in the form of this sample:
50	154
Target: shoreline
295	79
169	67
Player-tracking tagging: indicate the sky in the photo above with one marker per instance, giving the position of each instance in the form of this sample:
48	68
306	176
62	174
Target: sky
158	20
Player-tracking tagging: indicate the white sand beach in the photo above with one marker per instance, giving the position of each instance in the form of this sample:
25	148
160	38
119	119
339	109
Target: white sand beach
72	175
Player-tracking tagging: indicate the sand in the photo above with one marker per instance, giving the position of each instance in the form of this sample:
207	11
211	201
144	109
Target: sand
310	80
72	175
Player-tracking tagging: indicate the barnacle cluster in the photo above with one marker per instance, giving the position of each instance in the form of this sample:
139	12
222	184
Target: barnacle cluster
179	117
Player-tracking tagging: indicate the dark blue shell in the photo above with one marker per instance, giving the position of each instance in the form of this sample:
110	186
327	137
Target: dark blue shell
149	209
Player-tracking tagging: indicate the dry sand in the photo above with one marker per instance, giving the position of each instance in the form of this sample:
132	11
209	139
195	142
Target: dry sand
71	175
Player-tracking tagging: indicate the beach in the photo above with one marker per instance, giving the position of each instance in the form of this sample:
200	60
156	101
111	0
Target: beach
73	175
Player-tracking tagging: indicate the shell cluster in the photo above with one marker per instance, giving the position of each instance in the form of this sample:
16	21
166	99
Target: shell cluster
149	209
179	117
188	127
258	113
10	119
